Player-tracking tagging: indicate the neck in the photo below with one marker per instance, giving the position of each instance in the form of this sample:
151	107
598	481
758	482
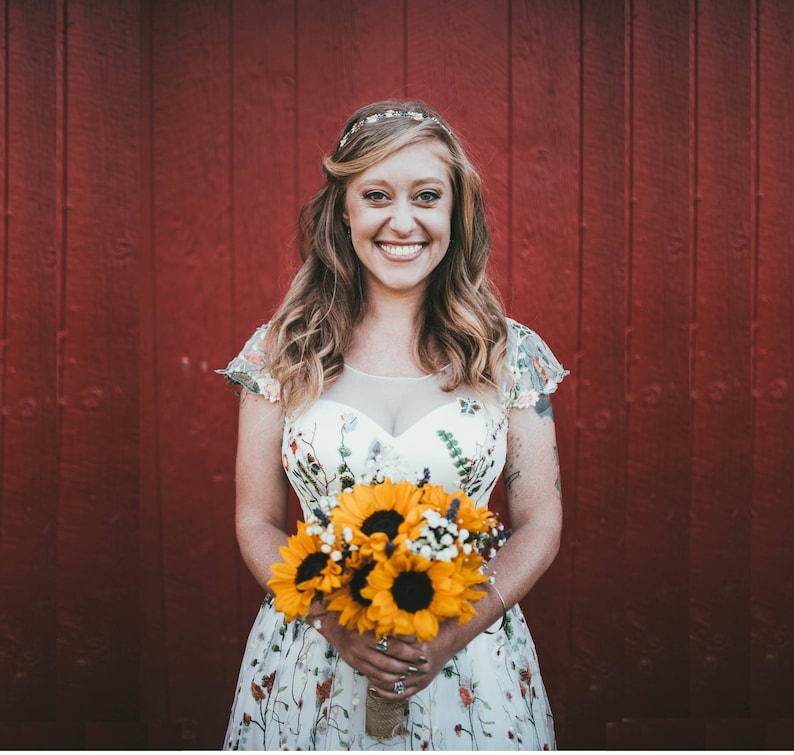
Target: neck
394	307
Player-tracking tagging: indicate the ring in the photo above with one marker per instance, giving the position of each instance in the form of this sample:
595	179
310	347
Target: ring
383	645
399	687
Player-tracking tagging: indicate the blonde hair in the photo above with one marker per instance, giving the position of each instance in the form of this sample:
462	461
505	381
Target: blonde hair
461	324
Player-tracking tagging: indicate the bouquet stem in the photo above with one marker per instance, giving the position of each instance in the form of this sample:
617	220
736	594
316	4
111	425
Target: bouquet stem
384	717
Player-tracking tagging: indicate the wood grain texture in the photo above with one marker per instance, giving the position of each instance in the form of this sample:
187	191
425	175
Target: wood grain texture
97	532
543	269
191	129
719	550
772	526
596	632
30	375
264	202
655	556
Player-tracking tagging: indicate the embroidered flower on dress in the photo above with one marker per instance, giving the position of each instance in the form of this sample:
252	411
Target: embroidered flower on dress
526	399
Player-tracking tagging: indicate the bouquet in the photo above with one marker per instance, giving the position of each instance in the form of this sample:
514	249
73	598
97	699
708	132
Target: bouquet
391	558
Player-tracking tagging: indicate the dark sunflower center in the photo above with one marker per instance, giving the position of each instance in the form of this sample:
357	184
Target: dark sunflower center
412	591
311	567
358	582
387	522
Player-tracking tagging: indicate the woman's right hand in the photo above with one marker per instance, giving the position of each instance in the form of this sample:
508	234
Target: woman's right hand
397	659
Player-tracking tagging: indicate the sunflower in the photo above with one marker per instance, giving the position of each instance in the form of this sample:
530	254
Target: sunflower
305	571
372	516
410	594
353	607
465	512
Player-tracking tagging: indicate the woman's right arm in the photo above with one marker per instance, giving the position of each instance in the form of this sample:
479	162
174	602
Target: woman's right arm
262	486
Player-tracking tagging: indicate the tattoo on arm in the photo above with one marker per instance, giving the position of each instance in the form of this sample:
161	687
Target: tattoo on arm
510	478
558	483
543	407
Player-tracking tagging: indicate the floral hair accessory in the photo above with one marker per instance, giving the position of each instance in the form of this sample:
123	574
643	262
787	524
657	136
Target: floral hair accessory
412	114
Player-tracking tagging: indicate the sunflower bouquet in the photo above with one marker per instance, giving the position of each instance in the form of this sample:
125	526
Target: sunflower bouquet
391	558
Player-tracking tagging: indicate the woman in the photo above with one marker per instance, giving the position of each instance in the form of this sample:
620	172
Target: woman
391	357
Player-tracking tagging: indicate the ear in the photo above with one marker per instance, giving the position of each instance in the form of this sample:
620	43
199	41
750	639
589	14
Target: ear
346	217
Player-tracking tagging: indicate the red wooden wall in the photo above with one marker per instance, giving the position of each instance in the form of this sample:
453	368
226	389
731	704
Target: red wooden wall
640	172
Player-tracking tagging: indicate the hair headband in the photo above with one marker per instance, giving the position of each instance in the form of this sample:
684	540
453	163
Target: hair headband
413	114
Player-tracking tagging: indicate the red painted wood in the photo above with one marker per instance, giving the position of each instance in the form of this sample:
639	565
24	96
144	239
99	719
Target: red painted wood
349	53
97	543
595	692
30	365
655	556
772	528
719	573
192	297
543	265
265	206
458	60
153	680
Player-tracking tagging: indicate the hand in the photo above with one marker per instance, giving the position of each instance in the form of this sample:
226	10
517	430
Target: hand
395	659
414	664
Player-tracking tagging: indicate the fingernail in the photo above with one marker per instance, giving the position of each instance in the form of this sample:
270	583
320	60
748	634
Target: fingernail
422	659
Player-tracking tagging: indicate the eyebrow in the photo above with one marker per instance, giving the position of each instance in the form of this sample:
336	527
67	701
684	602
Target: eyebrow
427	180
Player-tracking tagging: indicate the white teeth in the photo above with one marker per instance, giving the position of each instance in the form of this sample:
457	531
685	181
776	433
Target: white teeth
401	251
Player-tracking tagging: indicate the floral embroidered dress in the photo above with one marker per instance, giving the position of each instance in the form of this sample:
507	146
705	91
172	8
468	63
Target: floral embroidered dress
294	691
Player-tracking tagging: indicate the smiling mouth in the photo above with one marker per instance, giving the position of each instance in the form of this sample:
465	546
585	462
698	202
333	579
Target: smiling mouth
401	250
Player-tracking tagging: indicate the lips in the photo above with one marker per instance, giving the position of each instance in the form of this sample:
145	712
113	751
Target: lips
402	251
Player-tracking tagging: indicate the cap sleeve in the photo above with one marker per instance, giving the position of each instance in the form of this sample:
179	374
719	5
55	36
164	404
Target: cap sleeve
249	368
533	370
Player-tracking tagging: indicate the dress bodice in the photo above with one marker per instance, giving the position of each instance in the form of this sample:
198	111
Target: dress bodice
366	428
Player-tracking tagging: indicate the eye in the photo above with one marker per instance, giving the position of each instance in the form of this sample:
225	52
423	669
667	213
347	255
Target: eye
375	196
428	196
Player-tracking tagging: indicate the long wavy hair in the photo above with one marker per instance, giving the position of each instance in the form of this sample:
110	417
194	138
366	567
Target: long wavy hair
461	327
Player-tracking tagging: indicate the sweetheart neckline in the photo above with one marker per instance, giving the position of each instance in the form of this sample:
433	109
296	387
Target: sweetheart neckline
360	413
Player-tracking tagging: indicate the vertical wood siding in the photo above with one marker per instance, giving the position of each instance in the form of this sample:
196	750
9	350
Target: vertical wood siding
639	169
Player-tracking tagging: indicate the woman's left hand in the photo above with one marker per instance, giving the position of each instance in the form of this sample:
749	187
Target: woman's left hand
431	657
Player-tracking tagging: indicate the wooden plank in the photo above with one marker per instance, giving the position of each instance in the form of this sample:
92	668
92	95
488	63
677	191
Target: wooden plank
153	684
543	210
595	692
191	129
457	60
773	459
656	563
719	549
349	53
97	542
30	363
264	209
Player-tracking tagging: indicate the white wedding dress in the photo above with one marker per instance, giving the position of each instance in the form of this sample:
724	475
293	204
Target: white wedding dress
294	691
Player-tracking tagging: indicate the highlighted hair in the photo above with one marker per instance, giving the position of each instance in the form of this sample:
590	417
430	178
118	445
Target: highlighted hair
461	327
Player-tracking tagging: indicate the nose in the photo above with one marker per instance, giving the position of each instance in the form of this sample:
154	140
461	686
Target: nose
402	219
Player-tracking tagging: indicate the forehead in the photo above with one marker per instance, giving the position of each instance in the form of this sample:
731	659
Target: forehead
428	158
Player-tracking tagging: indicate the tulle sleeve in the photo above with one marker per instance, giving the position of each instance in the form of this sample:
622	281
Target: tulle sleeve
533	371
249	368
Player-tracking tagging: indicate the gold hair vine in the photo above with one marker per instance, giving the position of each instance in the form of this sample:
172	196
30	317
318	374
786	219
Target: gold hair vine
413	114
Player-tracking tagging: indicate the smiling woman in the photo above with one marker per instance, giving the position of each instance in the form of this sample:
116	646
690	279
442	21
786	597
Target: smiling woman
390	366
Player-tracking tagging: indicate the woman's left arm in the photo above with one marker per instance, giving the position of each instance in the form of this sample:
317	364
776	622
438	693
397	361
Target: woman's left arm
532	483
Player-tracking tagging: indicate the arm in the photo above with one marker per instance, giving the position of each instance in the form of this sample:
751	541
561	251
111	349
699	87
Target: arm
261	524
262	486
534	502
